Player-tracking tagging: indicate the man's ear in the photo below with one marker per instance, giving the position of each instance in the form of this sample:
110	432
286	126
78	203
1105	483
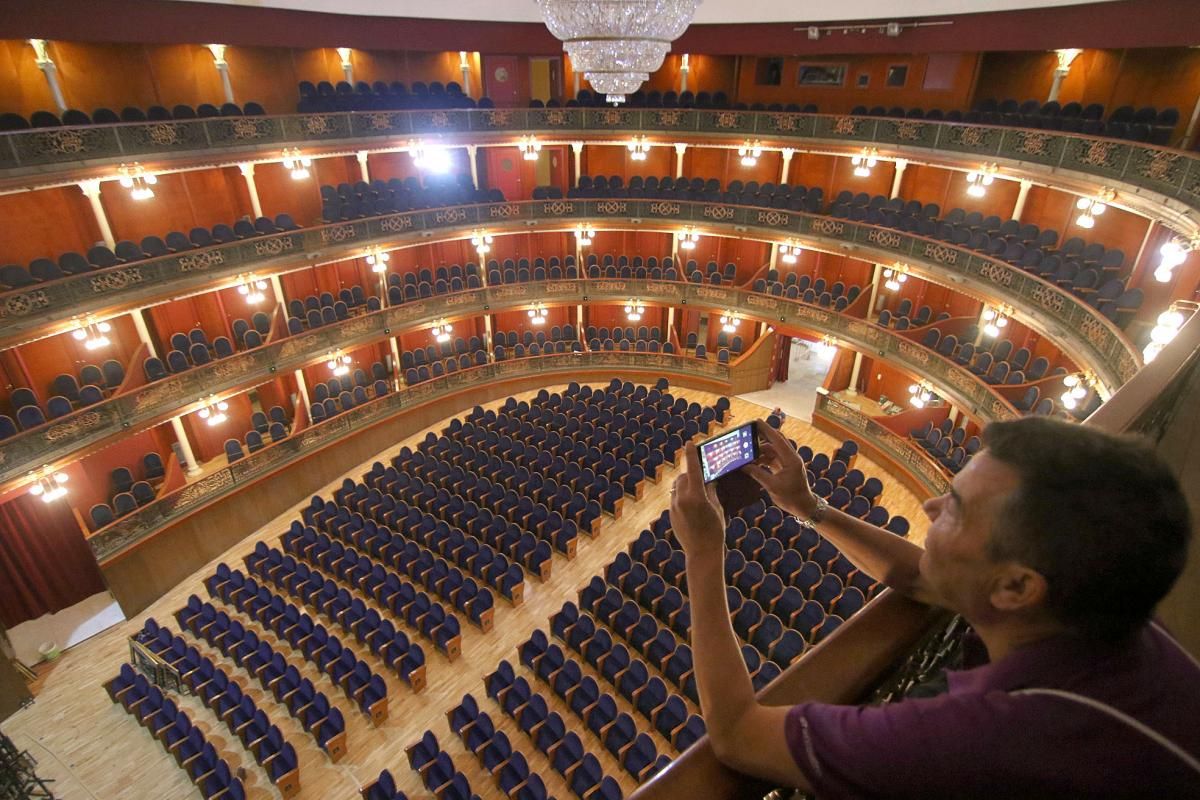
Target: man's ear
1016	587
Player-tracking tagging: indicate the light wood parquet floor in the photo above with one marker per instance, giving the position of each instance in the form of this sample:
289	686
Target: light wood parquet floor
92	749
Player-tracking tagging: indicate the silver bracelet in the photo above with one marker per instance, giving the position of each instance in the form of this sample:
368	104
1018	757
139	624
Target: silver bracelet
817	515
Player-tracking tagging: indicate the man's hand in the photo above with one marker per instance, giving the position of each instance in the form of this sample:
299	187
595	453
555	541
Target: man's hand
780	470
696	515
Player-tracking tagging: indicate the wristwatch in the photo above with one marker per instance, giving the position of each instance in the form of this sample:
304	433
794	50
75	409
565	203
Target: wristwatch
817	515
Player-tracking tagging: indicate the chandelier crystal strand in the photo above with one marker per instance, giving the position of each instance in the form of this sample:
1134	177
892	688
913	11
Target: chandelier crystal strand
616	44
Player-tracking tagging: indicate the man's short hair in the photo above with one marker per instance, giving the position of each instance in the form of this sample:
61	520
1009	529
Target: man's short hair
1101	517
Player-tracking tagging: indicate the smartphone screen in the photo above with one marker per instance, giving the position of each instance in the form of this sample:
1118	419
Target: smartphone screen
727	452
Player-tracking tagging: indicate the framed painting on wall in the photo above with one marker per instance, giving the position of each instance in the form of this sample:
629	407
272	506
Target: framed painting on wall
821	75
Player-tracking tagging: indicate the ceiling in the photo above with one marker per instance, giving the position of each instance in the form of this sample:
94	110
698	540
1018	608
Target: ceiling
710	11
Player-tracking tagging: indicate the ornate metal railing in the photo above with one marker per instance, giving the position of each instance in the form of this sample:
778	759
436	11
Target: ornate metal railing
1170	173
1088	337
895	446
112	539
148	405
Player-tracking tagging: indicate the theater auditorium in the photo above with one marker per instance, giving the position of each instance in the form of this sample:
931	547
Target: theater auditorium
349	353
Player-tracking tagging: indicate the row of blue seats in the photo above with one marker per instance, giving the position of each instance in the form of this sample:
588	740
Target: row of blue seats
176	733
346	400
508	765
437	770
10	121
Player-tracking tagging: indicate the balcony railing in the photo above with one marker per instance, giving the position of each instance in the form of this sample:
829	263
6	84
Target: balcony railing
1089	338
150	404
114	538
1169	173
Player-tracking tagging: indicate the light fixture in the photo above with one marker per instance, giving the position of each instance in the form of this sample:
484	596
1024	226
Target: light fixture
1066	56
214	411
135	178
1172	254
254	290
49	486
638	148
339	364
1077	386
729	322
978	181
995	319
790	251
537	314
297	163
530	147
749	152
864	162
617	45
377	260
1092	207
688	238
921	394
1167	327
826	348
441	331
585	234
92	334
894	276
430	157
634	310
482	243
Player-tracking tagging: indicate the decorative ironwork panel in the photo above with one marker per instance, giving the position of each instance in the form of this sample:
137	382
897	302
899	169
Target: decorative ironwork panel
623	119
234	131
440	121
558	119
305	127
166	136
1162	170
381	123
906	132
1106	157
844	127
670	119
719	121
775	124
981	139
1044	147
58	145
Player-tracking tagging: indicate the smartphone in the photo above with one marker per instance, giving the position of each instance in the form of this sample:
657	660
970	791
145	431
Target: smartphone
728	452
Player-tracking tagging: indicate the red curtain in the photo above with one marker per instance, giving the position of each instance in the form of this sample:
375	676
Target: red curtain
45	564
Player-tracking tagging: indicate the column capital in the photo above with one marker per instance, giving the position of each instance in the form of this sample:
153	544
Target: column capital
577	147
90	187
247	169
471	148
901	164
1026	184
680	148
361	155
787	153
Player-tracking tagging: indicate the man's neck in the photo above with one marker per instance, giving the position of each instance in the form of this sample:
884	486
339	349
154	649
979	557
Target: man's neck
1002	637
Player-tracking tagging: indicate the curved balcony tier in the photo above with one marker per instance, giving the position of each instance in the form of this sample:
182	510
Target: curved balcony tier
147	405
1159	182
1088	338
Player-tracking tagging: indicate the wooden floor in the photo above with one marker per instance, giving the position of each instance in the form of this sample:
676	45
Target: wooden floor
92	749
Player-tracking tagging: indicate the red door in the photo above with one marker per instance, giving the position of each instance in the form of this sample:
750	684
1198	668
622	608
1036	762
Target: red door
500	80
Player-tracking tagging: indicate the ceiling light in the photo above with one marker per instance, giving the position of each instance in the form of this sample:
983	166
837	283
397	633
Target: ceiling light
789	252
441	332
92	334
864	162
253	289
688	238
49	486
529	147
429	157
978	181
750	152
638	148
584	235
297	163
339	364
377	260
634	311
135	178
482	242
729	322
213	411
826	348
1092	207
537	314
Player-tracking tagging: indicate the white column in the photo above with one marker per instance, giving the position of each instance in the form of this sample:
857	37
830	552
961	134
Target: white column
91	189
247	171
361	155
684	69
786	166
680	149
577	152
853	388
464	67
472	152
189	458
218	54
1056	84
347	64
487	335
579	323
670	323
395	361
876	278
139	324
901	165
49	70
953	417
774	256
1022	195
302	387
277	290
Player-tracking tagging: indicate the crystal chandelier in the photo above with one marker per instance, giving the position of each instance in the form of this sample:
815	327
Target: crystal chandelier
616	44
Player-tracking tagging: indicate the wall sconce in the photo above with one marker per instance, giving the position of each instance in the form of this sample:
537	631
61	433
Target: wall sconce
585	234
639	148
749	152
530	147
537	314
995	319
1066	57
49	486
431	157
441	332
339	364
894	276
1077	385
790	251
634	310
978	181
298	164
688	238
1172	254
921	394
214	411
92	334
864	162
135	178
347	65
253	289
1168	324
729	322
377	260
482	243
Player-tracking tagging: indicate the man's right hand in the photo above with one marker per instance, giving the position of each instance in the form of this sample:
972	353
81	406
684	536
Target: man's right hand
780	470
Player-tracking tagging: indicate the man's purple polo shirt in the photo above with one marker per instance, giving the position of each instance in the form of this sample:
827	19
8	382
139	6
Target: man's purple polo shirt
980	739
